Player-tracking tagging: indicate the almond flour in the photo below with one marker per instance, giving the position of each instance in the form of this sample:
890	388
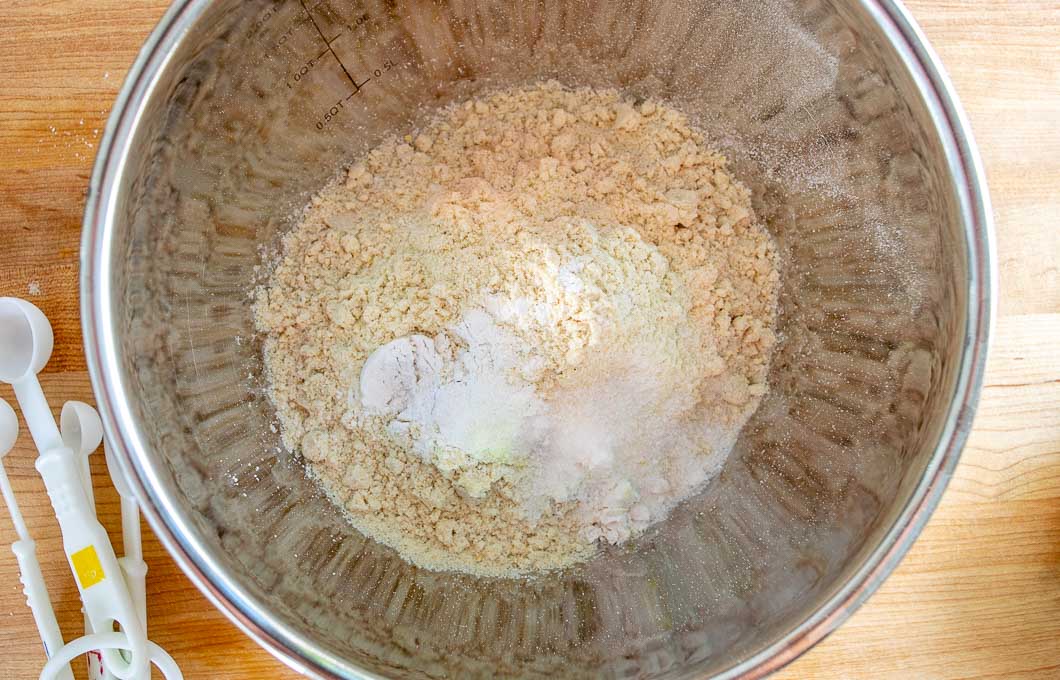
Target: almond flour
531	328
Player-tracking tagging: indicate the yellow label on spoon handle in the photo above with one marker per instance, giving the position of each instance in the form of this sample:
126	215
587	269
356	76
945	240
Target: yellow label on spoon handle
87	566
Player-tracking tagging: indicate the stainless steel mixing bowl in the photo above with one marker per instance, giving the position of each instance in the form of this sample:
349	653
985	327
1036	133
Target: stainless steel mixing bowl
835	112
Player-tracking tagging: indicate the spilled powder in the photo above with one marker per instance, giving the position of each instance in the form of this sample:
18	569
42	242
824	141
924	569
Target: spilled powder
531	328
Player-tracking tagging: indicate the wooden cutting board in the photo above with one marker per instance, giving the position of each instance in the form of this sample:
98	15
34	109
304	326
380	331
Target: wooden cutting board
979	594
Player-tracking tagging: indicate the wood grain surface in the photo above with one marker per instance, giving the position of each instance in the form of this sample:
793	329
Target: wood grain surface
978	596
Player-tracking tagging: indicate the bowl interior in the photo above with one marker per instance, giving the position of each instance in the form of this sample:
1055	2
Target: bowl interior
262	102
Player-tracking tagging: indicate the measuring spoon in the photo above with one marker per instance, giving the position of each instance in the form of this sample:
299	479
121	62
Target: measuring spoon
25	550
25	345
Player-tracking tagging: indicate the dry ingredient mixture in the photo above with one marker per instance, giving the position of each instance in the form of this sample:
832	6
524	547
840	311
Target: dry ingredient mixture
531	328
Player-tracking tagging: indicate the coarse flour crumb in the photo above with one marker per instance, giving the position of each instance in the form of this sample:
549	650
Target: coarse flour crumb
532	327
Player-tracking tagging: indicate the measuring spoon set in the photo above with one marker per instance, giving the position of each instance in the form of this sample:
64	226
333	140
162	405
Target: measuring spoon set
112	589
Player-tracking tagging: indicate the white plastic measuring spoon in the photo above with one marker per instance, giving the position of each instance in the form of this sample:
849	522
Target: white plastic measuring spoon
132	562
25	346
26	551
82	431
